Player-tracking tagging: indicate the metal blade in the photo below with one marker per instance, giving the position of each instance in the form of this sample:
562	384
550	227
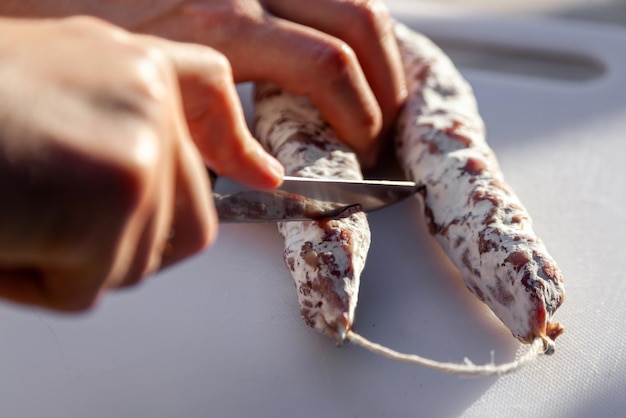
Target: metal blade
302	199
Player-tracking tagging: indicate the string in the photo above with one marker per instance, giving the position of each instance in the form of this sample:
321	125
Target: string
538	347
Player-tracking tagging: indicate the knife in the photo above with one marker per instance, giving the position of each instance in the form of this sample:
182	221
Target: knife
306	199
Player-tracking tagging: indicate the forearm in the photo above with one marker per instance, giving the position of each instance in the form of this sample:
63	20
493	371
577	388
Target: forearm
129	14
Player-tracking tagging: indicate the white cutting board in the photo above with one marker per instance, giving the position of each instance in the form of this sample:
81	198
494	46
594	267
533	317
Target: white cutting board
220	335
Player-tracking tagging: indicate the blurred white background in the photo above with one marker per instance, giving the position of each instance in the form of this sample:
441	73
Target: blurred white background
607	11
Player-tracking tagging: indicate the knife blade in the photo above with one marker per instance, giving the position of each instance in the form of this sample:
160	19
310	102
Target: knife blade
305	199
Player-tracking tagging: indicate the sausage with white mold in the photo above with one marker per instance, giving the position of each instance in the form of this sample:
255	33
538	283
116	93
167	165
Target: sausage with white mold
471	211
325	257
475	216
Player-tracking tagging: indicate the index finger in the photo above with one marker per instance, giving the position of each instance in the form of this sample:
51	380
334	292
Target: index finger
219	130
367	28
308	62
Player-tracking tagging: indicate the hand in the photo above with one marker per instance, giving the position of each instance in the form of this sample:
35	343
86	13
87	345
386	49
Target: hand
102	180
342	54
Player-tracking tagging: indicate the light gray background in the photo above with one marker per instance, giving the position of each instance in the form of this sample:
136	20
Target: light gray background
605	11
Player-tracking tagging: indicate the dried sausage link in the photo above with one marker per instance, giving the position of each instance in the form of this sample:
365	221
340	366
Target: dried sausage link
325	257
475	216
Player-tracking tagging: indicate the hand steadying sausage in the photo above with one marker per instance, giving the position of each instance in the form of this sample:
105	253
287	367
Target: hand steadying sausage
340	53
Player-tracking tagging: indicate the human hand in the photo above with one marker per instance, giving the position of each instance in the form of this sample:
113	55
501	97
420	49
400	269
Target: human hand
101	156
340	53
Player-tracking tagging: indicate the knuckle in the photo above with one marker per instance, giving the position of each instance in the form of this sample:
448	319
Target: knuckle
89	24
211	89
136	172
122	181
225	22
372	121
219	73
371	17
149	75
141	86
218	96
221	66
333	59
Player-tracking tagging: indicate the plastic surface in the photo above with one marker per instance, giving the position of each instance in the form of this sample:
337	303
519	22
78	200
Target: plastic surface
220	335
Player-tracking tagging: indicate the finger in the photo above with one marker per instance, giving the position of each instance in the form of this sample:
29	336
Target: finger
218	126
194	226
307	62
183	220
365	26
140	252
223	139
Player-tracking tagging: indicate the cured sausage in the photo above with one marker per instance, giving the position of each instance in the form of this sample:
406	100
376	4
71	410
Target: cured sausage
474	215
325	257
